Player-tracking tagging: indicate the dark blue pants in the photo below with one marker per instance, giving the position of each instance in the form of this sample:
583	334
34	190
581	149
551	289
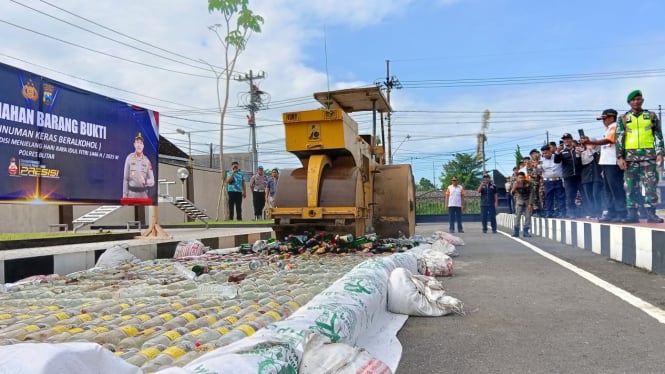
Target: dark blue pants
455	213
592	194
488	213
615	195
509	202
235	201
572	186
555	197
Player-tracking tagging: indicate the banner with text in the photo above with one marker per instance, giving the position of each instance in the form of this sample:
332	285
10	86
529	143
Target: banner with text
65	145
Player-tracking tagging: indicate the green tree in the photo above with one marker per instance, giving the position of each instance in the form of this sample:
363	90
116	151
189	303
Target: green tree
466	168
425	185
238	23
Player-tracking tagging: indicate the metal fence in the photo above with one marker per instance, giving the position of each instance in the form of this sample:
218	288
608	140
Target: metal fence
431	202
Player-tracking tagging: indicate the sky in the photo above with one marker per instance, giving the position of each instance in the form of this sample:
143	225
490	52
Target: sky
540	68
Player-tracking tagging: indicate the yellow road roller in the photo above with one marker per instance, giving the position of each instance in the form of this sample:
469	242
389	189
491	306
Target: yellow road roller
344	185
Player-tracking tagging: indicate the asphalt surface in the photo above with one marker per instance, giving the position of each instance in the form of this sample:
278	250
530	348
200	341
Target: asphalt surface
528	314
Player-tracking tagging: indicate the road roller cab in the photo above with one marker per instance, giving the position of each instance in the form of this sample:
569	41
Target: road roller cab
343	185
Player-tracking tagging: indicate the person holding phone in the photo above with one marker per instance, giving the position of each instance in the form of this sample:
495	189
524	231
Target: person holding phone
615	196
571	164
235	187
489	201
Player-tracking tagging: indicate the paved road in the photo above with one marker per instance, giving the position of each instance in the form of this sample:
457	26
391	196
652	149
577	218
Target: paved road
528	314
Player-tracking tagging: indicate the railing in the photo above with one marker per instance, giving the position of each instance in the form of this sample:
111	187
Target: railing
432	203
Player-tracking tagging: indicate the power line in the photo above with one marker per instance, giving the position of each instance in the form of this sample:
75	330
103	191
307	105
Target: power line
104	53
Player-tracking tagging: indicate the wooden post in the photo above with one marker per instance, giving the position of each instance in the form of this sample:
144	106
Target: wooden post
155	231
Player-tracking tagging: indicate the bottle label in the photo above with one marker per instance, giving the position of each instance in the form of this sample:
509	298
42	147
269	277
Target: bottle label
76	330
59	328
172	335
84	317
5	316
147	332
143	317
33	307
293	304
274	315
125	317
273	305
62	315
174	351
52	307
166	316
222	330
211	320
188	316
129	330
247	329
150	353
254	306
31	328
196	332
235	308
124	305
100	329
25	316
107	317
177	306
231	319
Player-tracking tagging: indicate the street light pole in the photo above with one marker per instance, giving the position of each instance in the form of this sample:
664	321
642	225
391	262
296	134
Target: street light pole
189	139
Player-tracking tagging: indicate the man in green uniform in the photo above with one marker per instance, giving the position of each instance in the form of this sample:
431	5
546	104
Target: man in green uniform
639	147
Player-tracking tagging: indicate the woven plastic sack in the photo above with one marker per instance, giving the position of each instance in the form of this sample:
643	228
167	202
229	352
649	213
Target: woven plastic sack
435	264
418	295
187	248
115	256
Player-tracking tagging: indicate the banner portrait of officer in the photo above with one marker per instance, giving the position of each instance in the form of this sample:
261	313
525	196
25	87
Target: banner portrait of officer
138	176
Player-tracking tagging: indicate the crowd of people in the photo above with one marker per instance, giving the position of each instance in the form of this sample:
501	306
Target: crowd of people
262	187
607	178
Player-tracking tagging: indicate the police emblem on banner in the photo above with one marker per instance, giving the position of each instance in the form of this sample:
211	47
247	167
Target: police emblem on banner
29	91
48	93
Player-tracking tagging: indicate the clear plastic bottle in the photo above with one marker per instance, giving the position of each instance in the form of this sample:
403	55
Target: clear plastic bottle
42	335
203	335
139	339
116	335
158	320
168	356
167	338
182	319
145	355
203	321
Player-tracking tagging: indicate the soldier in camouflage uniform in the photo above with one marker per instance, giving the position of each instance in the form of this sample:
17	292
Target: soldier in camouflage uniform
536	179
639	147
524	196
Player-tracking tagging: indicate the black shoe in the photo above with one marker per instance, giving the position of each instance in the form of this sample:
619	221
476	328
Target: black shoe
652	217
460	231
493	231
606	218
451	231
485	231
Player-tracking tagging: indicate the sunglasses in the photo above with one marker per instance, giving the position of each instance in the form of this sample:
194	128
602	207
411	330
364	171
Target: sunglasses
454	180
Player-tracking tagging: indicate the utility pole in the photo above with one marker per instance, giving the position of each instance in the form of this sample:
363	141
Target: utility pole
390	83
253	103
